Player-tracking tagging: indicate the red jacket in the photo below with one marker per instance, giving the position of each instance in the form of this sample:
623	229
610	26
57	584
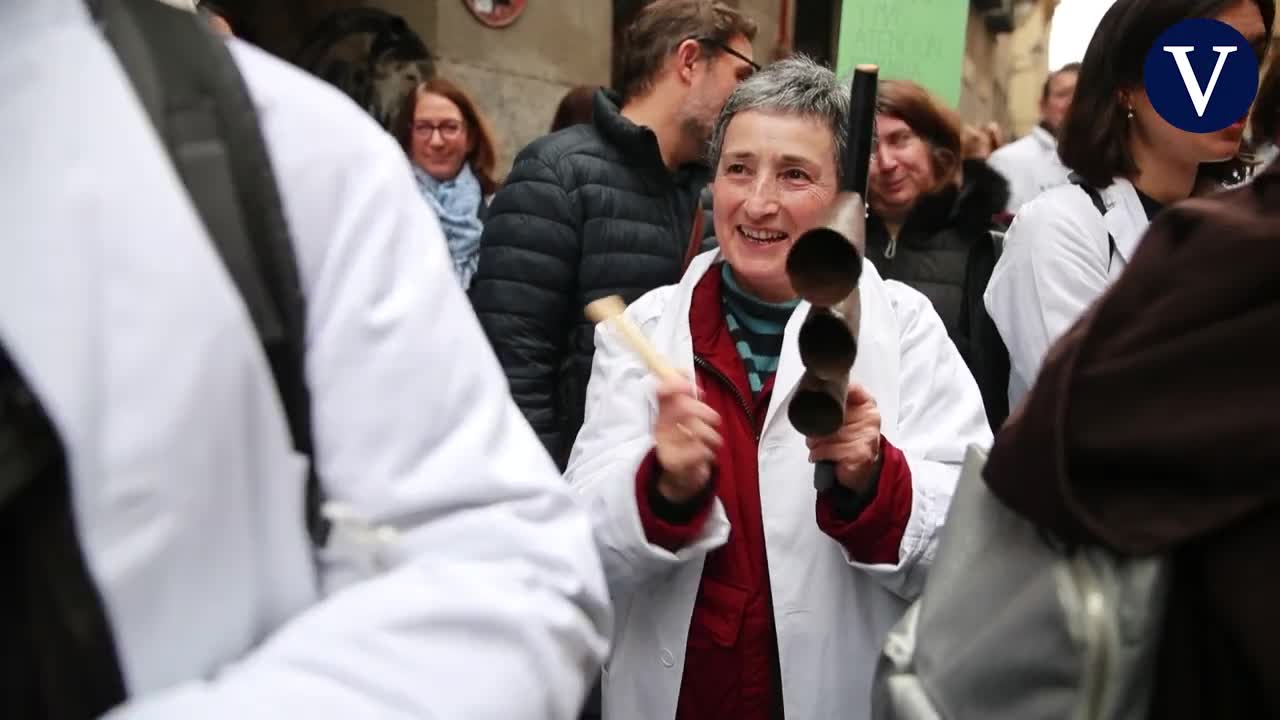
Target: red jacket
731	664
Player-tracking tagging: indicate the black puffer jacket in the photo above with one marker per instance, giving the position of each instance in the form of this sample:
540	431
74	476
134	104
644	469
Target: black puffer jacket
587	212
946	251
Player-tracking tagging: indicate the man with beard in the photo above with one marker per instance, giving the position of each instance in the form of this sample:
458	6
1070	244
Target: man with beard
1031	164
606	208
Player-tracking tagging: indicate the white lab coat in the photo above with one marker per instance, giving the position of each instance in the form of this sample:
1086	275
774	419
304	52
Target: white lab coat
1031	165
1056	262
490	602
831	613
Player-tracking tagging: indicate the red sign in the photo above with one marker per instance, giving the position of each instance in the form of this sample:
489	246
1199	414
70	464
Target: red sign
495	13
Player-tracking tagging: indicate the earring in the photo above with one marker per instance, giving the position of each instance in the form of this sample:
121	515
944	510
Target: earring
1130	115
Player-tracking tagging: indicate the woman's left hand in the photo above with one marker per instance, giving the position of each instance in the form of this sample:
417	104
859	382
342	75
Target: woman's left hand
855	447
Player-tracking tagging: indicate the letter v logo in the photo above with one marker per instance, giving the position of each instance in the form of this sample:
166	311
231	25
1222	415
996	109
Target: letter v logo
1199	98
1192	50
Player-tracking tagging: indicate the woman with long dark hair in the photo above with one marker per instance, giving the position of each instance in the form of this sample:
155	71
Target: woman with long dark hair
1070	243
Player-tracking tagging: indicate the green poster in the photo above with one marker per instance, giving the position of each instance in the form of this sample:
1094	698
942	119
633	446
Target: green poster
920	40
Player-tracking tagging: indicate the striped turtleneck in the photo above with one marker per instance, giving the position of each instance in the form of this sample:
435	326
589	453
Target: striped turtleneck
756	326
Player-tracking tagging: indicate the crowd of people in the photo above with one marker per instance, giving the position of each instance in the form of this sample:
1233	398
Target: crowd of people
473	502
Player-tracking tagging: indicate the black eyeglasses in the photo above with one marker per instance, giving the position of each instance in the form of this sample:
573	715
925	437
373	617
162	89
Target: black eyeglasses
755	67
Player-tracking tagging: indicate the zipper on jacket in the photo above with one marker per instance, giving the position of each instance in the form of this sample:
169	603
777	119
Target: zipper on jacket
892	248
703	363
1093	604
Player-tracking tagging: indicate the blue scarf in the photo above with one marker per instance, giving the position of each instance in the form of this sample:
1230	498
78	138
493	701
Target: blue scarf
457	203
757	327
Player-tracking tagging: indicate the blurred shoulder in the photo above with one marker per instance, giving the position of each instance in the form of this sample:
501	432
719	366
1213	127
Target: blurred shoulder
1064	210
1024	147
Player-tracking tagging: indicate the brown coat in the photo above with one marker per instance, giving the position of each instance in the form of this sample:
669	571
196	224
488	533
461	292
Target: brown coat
1154	427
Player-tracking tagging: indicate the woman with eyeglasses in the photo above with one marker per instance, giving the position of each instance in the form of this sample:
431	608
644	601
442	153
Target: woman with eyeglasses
453	154
1070	243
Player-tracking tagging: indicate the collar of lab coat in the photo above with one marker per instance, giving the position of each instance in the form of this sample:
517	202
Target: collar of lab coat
876	366
1045	138
1125	218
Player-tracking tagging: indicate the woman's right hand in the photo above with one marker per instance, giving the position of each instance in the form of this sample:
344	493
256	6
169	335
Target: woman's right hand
686	440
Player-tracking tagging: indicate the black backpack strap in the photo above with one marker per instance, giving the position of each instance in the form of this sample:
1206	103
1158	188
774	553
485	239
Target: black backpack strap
58	657
192	90
1096	198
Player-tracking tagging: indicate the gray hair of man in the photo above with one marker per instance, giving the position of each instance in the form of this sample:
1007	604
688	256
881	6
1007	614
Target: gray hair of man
794	86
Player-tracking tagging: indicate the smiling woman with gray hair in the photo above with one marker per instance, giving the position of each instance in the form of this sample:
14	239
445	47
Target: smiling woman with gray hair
741	591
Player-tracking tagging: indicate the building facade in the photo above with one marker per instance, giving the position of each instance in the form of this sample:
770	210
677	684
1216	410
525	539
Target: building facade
519	73
1005	69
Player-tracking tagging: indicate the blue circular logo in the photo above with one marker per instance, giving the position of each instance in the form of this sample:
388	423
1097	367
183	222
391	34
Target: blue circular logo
1201	75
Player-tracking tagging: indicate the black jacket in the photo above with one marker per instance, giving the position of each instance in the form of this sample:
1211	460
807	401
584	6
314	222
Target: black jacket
946	251
587	212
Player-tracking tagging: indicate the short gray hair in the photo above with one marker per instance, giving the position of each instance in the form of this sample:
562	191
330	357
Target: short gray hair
794	86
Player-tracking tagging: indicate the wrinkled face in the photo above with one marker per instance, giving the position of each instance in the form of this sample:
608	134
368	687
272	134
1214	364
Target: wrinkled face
1053	110
714	80
441	140
901	169
775	180
1195	148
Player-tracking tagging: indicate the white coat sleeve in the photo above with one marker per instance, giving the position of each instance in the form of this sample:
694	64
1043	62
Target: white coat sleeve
1006	162
490	602
616	434
940	414
1048	274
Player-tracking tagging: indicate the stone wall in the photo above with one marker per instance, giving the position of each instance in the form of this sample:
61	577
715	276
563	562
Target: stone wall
983	85
768	17
1028	68
1004	73
516	74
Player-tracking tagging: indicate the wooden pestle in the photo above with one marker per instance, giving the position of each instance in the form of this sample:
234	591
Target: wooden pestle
612	310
